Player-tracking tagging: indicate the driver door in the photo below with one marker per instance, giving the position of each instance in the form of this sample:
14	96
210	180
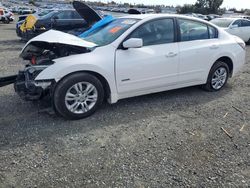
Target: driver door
152	67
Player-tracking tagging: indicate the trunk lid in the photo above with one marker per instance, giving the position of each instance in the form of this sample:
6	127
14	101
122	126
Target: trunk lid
86	12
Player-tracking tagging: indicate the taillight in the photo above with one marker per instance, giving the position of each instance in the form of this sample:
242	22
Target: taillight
33	60
243	45
240	42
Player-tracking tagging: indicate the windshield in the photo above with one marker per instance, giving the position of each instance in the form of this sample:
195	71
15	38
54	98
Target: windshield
110	32
222	22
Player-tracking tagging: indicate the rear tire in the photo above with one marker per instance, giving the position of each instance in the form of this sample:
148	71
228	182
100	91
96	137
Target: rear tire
218	77
248	42
78	96
6	21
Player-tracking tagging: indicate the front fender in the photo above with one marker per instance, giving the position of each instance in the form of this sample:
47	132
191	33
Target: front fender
58	71
84	62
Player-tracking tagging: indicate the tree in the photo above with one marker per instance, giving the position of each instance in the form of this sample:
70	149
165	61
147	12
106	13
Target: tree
203	7
214	5
186	9
32	2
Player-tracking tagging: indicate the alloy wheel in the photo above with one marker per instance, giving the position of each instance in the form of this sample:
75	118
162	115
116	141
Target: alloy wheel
219	78
81	97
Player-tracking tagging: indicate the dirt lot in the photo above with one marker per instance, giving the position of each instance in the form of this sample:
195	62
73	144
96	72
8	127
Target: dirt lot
168	139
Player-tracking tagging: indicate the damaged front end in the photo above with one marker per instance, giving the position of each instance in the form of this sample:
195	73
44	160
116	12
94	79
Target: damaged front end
40	52
29	89
52	44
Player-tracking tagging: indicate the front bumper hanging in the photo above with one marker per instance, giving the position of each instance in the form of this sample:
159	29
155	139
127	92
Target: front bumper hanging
26	86
29	89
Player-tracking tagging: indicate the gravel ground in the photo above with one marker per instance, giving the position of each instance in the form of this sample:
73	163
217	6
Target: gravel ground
169	139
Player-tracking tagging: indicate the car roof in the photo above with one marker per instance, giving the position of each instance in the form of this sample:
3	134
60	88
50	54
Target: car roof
228	18
152	16
231	18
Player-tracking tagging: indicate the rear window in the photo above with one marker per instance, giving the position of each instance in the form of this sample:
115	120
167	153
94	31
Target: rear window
192	30
212	32
222	22
49	15
75	15
245	23
65	15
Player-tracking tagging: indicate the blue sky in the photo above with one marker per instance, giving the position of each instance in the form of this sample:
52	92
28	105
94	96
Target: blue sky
227	3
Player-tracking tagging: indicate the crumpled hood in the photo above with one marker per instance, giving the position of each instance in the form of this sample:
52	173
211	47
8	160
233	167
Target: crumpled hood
53	36
60	43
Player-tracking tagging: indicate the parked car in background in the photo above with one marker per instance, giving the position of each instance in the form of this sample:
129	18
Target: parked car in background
213	16
6	16
25	10
129	56
22	22
69	20
201	16
244	16
235	26
10	14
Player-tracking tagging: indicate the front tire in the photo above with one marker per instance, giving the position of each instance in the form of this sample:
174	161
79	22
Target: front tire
218	77
78	96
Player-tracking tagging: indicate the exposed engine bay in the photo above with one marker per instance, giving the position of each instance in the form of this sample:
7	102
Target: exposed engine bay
43	53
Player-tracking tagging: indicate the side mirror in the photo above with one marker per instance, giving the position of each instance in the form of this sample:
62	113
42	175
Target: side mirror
234	26
133	43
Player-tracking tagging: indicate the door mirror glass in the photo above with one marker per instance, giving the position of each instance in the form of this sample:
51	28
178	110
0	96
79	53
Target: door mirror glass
133	43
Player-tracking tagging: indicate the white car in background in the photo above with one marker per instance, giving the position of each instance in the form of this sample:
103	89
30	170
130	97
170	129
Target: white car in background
235	26
129	56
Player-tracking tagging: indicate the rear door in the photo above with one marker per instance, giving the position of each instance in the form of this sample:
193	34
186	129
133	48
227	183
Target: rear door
153	66
197	47
237	31
245	28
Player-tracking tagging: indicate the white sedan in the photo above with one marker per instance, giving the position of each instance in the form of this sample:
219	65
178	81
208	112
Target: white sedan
235	26
129	56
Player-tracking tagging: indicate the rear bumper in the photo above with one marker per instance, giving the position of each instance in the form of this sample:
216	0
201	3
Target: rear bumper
239	62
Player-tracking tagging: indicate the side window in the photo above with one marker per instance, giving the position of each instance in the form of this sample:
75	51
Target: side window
192	30
212	32
245	23
65	15
237	22
155	32
75	15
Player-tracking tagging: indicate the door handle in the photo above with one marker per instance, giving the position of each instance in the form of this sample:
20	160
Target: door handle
213	47
171	54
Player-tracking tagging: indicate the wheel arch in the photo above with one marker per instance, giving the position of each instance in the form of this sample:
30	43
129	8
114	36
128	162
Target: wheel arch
103	80
229	63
